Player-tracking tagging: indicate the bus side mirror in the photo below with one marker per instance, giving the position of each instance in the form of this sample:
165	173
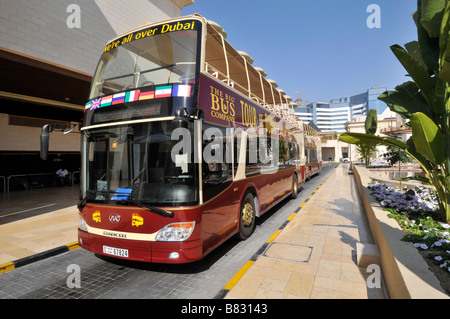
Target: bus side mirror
180	120
184	115
45	137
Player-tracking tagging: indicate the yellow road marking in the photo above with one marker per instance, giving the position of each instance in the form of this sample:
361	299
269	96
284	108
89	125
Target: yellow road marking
73	246
6	267
292	216
233	281
275	234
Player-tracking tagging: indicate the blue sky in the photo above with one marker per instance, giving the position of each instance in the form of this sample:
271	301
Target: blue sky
320	45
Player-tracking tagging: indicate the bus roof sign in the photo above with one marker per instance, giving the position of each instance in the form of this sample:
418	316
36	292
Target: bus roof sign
154	30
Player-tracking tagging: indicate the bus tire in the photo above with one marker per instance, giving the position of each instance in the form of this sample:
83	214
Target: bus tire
294	187
247	217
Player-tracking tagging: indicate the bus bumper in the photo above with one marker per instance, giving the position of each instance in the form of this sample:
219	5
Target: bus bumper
146	251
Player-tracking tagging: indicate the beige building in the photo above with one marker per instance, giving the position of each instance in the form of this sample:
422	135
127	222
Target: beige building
333	150
48	52
389	123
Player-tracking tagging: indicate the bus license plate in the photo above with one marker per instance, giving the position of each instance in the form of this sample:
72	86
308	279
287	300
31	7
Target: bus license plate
115	251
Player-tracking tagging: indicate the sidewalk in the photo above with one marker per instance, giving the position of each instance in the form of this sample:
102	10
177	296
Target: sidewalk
314	256
51	221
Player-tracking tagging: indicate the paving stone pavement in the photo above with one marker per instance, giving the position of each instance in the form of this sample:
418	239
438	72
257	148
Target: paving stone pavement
314	256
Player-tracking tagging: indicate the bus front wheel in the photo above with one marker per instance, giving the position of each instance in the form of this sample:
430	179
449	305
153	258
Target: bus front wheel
247	217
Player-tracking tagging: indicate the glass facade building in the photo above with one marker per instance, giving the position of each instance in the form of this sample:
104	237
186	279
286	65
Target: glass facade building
332	116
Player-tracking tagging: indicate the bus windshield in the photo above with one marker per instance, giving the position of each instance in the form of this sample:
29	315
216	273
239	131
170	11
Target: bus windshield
132	164
159	55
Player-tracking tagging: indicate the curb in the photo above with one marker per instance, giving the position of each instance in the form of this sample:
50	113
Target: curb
234	280
37	257
406	273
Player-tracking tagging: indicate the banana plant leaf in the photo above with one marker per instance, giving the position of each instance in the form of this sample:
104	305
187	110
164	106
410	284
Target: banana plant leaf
371	122
417	72
405	100
444	73
369	140
428	139
445	29
439	106
413	49
419	158
431	16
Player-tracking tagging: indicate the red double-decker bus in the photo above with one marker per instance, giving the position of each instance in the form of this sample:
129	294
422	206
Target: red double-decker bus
182	146
313	152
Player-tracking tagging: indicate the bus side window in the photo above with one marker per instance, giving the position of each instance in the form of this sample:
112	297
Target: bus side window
251	158
313	155
292	153
217	173
282	152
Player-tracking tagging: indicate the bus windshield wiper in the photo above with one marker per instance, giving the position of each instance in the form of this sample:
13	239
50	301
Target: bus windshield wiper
82	203
159	211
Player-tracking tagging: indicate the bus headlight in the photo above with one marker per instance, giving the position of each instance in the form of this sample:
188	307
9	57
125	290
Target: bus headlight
176	231
82	224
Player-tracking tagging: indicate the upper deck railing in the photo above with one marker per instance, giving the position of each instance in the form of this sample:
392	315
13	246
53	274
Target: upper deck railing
235	69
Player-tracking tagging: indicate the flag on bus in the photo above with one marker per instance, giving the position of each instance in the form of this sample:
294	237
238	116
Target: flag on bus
163	91
95	104
132	96
146	95
106	101
88	106
181	91
118	98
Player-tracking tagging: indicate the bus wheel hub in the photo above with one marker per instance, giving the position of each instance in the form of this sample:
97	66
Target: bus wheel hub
247	214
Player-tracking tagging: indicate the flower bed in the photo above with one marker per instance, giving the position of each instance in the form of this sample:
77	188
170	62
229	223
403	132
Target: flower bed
416	211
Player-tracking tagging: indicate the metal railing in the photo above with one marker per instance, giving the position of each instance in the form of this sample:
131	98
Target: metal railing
4	183
72	176
7	180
